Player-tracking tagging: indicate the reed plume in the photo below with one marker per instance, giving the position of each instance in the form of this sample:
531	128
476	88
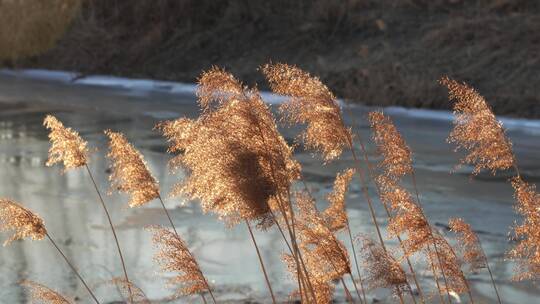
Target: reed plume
238	164
469	244
23	222
128	289
216	86
310	102
477	130
397	156
336	214
130	173
407	218
526	253
325	258
174	256
449	266
42	294
67	146
471	249
26	224
383	270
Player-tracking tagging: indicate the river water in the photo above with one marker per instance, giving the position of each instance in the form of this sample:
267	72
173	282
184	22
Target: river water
69	206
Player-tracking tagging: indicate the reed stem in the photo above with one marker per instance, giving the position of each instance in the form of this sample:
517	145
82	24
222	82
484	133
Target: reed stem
113	232
261	262
203	298
72	268
493	282
377	188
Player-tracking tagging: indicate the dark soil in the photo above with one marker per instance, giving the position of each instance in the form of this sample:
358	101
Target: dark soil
382	52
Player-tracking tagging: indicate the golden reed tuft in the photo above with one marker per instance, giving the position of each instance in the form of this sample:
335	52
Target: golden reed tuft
336	214
67	146
526	252
42	294
448	263
311	103
397	159
326	258
469	244
237	162
130	290
477	130
22	221
130	173
383	270
174	256
407	218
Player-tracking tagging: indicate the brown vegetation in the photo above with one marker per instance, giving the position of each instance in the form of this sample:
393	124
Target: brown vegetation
380	52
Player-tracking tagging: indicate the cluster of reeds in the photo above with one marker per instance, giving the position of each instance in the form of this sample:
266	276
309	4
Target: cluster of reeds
240	168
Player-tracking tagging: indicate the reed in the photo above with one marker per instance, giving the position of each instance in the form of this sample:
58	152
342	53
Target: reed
42	294
472	252
69	148
477	130
311	103
26	224
173	255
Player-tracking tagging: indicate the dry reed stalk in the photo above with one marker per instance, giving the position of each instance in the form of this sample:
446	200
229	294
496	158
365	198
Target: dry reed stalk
130	174
450	268
26	224
239	166
337	219
69	148
311	102
489	148
372	175
128	288
471	248
174	256
399	163
477	130
526	253
42	294
326	258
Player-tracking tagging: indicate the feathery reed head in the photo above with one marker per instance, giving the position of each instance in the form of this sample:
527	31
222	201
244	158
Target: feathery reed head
448	263
383	270
469	244
128	289
43	294
217	86
311	103
174	256
323	250
236	160
526	253
407	218
336	214
397	160
22	221
66	145
130	173
477	130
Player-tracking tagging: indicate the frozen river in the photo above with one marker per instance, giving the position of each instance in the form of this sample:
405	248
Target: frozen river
71	212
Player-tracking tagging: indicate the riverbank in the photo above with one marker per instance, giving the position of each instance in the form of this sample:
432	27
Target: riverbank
373	52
